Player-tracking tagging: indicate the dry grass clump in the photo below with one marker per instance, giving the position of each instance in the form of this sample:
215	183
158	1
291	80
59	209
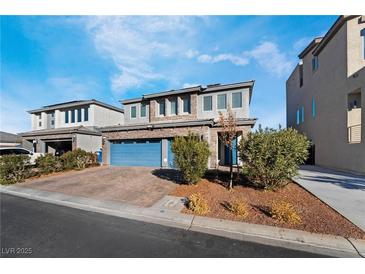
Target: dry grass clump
238	208
285	212
198	204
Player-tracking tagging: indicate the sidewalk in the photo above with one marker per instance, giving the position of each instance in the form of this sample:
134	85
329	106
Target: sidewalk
167	212
344	192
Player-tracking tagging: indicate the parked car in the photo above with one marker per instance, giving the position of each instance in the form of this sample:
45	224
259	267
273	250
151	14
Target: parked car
20	151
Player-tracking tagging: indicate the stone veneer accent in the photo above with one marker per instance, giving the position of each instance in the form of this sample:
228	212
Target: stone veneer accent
191	116
209	134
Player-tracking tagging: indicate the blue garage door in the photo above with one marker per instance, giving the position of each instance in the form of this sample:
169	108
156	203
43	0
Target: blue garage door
136	153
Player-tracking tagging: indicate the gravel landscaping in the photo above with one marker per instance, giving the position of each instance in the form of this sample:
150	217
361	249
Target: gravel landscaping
315	215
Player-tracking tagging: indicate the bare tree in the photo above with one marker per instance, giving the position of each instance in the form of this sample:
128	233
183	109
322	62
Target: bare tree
227	136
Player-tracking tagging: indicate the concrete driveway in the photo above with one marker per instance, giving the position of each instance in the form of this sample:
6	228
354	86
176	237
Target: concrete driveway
344	192
135	185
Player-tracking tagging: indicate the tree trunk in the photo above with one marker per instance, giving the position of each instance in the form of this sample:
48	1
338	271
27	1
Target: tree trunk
230	169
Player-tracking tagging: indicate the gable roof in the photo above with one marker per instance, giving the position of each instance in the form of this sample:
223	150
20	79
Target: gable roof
75	104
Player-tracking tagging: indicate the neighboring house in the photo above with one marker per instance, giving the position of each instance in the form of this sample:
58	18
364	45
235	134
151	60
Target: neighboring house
63	127
326	95
9	139
151	122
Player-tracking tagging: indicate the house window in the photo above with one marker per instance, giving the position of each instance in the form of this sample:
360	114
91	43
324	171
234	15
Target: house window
86	114
66	117
314	108
363	42
298	117
161	107
79	115
222	101
207	103
52	114
52	123
302	114
73	116
237	100
133	112
186	104
40	123
173	105
314	63
300	75
143	110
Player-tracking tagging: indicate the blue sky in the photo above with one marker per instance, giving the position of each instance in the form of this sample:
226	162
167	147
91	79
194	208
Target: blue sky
51	59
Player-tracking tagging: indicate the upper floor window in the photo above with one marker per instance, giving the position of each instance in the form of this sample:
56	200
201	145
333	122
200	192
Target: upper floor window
302	114
173	104
363	43
79	115
207	103
133	112
161	107
221	101
143	110
314	63
86	114
52	123
300	75
237	100
186	104
40	123
298	117
66	117
52	114
314	110
73	116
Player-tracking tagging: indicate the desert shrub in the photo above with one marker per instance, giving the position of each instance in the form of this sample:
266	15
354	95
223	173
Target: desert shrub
191	157
271	157
78	159
198	204
238	207
14	169
285	212
49	163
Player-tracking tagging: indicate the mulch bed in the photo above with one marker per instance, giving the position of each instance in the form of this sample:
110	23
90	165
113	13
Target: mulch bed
316	216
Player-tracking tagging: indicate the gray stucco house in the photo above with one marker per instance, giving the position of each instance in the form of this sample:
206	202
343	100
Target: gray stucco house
66	126
151	122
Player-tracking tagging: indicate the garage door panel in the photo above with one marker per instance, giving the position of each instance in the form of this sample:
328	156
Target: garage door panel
136	153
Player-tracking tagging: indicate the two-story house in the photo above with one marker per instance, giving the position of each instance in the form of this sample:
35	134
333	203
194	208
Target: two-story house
63	127
151	122
325	95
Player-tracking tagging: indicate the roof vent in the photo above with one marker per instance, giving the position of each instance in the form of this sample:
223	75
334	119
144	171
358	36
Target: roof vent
213	85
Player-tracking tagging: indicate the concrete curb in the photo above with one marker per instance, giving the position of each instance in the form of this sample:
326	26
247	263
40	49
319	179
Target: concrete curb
293	239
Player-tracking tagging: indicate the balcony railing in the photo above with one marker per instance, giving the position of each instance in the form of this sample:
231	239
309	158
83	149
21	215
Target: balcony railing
354	134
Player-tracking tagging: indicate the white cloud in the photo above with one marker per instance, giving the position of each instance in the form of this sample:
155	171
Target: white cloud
269	57
234	59
188	85
191	53
300	44
137	44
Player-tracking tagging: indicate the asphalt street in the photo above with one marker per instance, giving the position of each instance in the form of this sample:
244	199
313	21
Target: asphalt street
35	229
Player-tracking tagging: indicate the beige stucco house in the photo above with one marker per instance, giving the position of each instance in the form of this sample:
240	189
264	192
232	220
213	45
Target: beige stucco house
151	122
325	95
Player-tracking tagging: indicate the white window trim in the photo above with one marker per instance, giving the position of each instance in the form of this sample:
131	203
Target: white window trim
220	109
232	100
158	109
211	96
182	105
131	112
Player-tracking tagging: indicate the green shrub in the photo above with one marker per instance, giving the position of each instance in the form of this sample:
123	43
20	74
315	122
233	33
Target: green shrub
198	204
271	157
14	169
49	163
191	157
78	159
